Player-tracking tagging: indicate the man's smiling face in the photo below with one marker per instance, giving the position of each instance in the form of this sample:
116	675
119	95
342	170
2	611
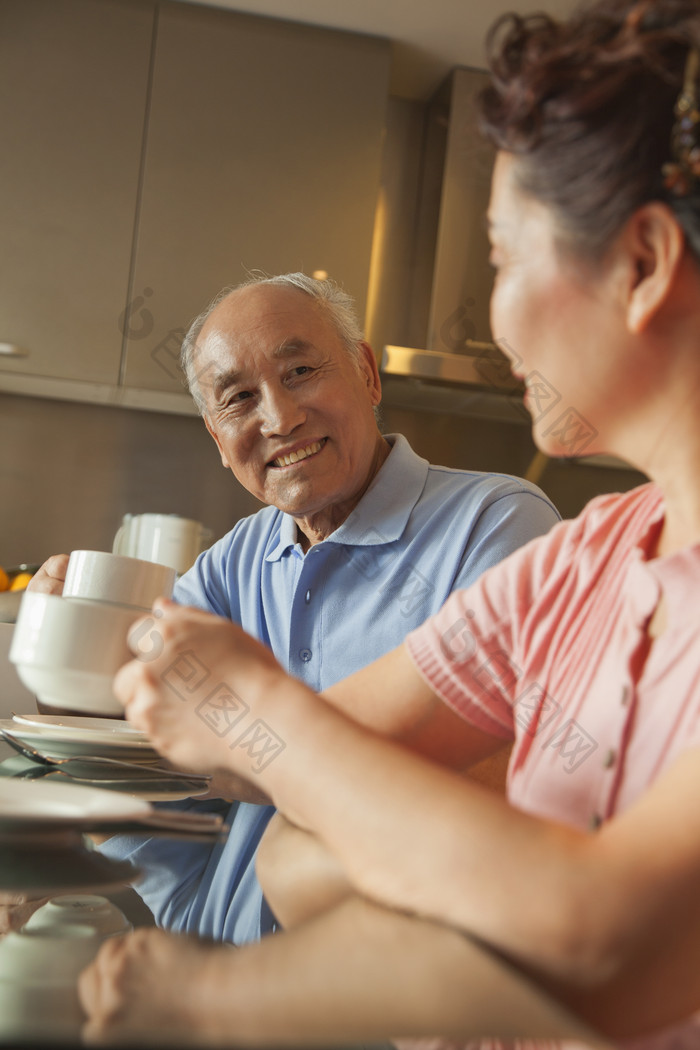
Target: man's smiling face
290	409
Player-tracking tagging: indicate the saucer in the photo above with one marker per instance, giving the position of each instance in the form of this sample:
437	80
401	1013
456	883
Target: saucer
60	736
111	727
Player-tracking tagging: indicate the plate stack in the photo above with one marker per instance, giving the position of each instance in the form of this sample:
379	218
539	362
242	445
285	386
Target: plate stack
43	828
99	752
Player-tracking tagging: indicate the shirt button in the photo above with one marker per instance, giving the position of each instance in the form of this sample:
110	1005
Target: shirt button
305	655
609	759
307	597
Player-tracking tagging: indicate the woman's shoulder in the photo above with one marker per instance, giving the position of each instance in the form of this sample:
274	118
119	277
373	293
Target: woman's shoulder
607	528
633	510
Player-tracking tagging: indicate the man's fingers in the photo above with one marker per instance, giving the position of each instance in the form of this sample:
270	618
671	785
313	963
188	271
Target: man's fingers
49	579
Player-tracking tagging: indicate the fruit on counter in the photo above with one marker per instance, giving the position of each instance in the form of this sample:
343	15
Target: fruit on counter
20	581
17	578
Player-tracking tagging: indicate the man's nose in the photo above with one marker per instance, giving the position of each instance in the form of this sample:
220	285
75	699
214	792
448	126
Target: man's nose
280	412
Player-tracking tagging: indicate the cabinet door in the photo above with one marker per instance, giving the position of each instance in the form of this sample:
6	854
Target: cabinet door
73	89
263	152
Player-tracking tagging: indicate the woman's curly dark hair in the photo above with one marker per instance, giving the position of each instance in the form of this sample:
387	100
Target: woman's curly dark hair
586	105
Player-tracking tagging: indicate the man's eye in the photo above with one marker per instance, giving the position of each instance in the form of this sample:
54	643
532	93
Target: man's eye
238	397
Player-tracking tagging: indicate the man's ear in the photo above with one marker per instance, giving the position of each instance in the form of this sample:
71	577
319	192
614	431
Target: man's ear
370	369
656	244
214	434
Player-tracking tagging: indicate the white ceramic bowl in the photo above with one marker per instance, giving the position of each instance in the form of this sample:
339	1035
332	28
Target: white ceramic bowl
100	576
68	650
47	957
38	975
82	909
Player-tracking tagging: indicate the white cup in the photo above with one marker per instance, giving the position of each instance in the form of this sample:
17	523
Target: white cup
101	576
81	909
164	538
68	650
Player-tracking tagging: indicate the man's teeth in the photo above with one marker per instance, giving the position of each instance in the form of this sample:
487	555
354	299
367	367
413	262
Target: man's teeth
294	457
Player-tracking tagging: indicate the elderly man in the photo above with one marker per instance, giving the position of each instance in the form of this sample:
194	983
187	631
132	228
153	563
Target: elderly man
360	542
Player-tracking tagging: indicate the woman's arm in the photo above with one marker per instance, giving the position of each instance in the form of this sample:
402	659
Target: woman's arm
356	973
299	876
390	698
605	916
611	920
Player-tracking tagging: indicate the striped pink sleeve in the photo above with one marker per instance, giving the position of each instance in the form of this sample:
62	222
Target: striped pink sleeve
470	652
461	655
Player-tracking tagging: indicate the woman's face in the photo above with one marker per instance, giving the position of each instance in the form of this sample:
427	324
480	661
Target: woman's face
557	320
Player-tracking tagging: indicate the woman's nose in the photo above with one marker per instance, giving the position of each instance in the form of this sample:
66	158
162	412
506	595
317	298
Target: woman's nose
281	412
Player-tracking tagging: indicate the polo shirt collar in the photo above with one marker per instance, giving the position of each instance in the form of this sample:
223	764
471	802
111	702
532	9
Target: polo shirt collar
389	500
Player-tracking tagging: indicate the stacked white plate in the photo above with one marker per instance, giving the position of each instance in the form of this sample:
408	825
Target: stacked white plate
64	736
43	824
99	752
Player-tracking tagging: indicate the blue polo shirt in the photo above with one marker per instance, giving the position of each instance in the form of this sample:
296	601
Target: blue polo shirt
418	533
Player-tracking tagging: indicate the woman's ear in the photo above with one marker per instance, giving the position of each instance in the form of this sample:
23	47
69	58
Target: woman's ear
656	244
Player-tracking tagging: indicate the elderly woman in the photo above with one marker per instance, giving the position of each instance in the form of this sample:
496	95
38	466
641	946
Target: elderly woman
582	650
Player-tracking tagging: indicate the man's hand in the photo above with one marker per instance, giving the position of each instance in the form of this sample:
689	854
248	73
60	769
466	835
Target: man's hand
49	579
154	986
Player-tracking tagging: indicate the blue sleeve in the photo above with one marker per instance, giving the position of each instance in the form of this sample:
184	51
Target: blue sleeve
505	525
204	586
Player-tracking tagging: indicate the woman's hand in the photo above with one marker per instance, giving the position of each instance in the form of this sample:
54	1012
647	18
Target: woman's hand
154	986
198	687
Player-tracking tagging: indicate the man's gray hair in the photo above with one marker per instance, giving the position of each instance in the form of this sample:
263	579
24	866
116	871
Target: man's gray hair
338	304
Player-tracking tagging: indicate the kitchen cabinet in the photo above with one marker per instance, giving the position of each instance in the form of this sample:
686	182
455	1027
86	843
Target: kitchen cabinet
263	153
157	152
73	90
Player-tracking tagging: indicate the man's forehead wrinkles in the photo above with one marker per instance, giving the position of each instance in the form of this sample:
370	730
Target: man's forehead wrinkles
291	346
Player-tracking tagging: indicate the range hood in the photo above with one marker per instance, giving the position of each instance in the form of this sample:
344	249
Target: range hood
439	355
475	364
446	315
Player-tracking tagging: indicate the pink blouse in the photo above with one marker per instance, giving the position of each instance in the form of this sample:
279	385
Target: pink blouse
550	649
